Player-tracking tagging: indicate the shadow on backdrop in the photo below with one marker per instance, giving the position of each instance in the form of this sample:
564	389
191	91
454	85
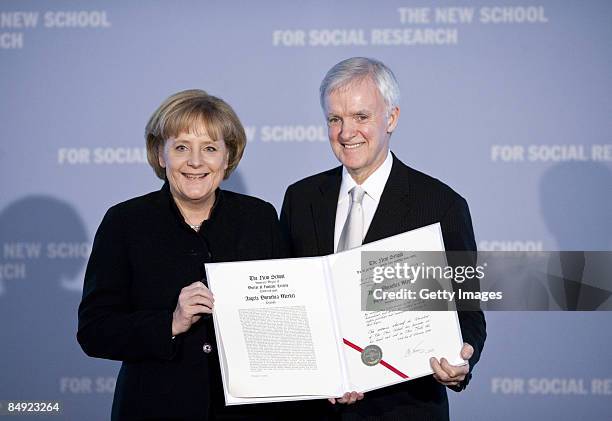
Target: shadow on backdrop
235	183
576	206
44	250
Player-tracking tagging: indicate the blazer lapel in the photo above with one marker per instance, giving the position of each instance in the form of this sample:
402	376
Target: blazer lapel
324	211
392	215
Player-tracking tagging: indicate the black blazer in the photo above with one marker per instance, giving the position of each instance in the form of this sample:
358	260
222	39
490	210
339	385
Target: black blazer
410	200
143	254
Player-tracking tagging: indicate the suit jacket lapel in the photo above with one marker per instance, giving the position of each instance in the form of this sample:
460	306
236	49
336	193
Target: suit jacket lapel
392	215
324	211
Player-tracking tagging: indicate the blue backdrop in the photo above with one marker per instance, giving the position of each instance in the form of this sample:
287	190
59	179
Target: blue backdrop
508	102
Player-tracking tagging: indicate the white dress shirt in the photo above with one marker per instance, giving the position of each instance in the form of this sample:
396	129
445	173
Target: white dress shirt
373	186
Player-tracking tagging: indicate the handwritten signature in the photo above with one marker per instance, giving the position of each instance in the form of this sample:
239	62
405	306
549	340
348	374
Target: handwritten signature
418	349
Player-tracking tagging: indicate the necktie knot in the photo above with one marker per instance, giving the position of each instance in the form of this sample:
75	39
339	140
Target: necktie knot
352	233
357	194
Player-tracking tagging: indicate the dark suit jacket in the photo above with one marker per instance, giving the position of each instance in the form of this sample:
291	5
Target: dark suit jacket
143	255
410	200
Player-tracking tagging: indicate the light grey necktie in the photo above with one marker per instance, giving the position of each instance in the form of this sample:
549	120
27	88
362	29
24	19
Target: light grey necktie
352	232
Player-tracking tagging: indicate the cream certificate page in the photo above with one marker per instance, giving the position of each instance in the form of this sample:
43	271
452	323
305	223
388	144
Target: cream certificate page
406	339
273	324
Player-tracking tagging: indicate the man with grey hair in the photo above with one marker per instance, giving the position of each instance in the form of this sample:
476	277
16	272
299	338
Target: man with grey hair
373	195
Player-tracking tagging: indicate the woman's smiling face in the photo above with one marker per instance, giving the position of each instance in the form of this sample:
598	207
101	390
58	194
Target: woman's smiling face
195	166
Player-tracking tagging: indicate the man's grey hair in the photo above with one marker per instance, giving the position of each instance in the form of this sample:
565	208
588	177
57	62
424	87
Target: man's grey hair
357	69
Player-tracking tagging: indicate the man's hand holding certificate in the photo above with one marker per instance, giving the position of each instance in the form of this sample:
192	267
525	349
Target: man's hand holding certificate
292	329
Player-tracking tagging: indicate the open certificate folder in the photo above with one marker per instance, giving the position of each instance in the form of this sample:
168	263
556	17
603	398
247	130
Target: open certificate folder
291	329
